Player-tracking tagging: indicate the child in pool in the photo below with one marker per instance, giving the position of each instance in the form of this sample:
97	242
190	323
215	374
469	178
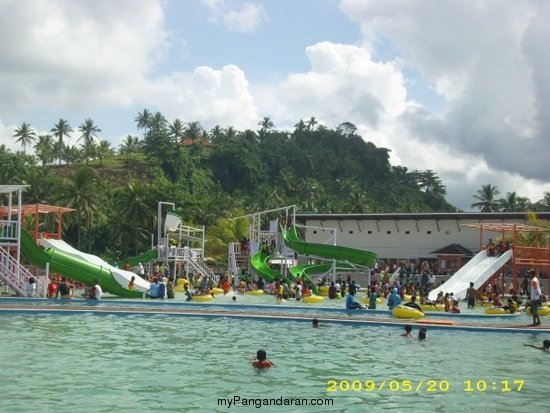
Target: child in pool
261	361
407	333
422	334
545	346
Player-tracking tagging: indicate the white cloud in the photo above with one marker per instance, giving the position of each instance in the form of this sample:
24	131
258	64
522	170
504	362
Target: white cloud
488	60
62	53
235	16
207	95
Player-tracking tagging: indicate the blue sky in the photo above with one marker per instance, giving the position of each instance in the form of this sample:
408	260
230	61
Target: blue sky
430	80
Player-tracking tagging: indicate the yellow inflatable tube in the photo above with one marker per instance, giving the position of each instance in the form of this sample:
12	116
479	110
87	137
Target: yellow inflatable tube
313	299
202	298
255	292
428	307
182	282
323	290
406	312
217	291
366	300
496	311
541	310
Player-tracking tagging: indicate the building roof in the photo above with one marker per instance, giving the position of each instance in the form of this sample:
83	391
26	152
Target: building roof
454	249
485	216
505	227
29	209
8	189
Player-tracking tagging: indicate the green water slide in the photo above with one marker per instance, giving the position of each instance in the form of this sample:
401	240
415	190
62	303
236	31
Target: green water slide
72	267
351	255
143	258
305	271
260	264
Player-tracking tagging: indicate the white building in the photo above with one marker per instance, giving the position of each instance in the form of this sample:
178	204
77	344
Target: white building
407	236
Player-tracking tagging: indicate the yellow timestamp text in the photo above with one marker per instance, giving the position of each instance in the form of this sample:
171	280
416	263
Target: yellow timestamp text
426	386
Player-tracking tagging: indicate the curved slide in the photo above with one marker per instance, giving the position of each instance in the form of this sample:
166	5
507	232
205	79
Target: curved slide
352	255
143	258
260	264
478	270
75	268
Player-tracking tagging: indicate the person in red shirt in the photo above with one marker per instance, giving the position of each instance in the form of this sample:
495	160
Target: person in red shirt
261	361
52	289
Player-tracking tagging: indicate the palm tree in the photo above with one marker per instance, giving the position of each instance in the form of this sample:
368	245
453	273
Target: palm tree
193	130
487	198
44	149
82	192
129	145
311	123
61	130
300	126
132	202
176	130
158	123
143	120
104	150
25	135
88	132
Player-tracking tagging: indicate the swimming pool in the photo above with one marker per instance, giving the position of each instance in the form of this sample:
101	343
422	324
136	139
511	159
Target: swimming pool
63	363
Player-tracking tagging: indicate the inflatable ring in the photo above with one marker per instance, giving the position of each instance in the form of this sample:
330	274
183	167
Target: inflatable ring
255	292
366	300
407	297
541	311
496	311
217	291
486	304
406	312
429	307
202	298
313	299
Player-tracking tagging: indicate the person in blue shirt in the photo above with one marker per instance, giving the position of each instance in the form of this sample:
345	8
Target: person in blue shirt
351	304
154	288
372	299
394	300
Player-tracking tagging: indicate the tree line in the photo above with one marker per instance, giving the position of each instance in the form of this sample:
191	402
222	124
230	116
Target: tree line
211	176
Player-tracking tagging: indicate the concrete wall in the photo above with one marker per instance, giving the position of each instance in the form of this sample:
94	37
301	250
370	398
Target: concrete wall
397	236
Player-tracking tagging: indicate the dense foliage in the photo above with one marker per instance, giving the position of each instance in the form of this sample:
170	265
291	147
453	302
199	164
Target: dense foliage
210	176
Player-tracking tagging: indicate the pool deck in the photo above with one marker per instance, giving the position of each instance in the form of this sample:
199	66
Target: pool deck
25	307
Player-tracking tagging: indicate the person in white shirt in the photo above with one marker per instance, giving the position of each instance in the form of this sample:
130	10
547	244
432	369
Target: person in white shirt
535	297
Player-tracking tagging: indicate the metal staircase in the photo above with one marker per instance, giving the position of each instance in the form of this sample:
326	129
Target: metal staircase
15	275
198	265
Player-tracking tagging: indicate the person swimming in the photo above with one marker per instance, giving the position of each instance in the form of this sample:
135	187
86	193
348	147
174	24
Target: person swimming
408	330
545	346
315	322
261	361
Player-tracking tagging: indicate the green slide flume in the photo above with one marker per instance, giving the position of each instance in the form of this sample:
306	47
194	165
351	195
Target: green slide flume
143	258
352	255
260	264
73	268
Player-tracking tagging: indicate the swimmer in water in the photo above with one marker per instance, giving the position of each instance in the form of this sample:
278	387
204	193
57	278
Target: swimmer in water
545	346
261	361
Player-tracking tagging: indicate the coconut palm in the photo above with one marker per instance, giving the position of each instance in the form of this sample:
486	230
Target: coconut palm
44	149
176	130
61	130
82	192
104	150
25	135
129	145
193	130
487	198
311	123
88	132
143	120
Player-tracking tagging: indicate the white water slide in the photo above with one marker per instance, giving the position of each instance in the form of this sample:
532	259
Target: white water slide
478	270
123	277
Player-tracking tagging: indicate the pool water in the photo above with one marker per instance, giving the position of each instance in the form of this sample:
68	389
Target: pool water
94	363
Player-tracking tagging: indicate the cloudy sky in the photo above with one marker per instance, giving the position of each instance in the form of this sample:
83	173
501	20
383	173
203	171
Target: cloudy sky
459	87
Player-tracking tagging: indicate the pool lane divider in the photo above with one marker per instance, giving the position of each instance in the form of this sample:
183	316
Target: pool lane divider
238	305
363	322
